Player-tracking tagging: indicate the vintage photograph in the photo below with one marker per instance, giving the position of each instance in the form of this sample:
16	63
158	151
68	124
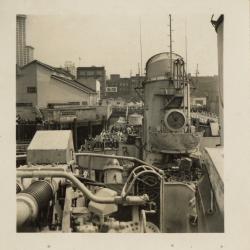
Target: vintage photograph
119	123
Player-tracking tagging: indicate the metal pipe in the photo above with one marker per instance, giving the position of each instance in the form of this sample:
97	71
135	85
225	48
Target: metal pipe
131	200
26	209
143	221
32	199
135	176
42	191
212	201
121	157
37	168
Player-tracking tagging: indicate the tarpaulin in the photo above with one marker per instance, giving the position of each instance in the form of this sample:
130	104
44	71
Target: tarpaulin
174	142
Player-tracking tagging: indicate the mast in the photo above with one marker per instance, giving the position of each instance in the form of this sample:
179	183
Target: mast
186	44
187	82
197	73
188	106
170	45
140	49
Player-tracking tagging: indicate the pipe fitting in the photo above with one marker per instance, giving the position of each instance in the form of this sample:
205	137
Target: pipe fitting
27	208
33	199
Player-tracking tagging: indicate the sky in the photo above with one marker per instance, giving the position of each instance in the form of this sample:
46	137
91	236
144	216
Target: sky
113	40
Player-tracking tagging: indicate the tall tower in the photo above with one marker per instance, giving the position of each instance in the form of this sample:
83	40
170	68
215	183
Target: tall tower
20	40
24	54
29	54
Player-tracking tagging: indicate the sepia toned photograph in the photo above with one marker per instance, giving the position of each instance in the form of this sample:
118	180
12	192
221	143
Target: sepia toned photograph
119	123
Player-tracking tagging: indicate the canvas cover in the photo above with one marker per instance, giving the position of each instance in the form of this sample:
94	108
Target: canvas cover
174	142
51	146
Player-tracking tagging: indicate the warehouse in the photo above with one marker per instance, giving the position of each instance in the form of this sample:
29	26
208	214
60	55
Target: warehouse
37	84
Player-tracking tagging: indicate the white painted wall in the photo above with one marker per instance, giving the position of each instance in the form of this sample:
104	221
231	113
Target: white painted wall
27	78
53	91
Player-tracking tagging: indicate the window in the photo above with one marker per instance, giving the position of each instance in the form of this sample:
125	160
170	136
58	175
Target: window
73	103
31	89
24	104
111	89
68	112
90	73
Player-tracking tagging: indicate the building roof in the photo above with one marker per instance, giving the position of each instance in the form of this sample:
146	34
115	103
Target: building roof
91	67
21	16
56	69
71	82
75	84
65	72
29	46
40	63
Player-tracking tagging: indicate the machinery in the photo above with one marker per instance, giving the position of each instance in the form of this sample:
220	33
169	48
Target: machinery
172	189
57	196
169	192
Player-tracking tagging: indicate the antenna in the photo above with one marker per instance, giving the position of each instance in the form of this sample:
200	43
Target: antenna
197	73
186	46
197	70
79	59
140	48
171	51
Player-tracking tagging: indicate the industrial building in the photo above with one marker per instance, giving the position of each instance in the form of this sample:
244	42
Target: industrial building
205	92
55	97
124	87
37	84
89	75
